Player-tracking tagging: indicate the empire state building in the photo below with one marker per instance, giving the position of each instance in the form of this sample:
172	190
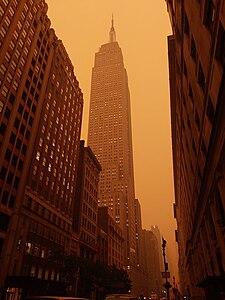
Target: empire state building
110	138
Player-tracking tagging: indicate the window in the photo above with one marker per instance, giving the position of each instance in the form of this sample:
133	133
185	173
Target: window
11	11
1	106
7	113
19	73
19	25
4	221
24	149
12	138
210	110
5	91
12	45
2	128
15	85
3	31
1	11
209	14
35	170
16	182
38	155
18	144
7	21
16	123
193	50
8	154
201	77
20	165
220	47
9	77
3	69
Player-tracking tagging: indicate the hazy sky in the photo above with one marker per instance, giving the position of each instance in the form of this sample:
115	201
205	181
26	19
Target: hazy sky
142	28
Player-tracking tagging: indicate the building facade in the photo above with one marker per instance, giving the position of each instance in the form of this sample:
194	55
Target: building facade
110	138
86	203
141	270
154	281
114	240
197	92
156	231
40	115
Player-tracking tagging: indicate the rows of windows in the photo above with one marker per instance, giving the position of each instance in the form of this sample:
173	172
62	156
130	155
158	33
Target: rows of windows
89	199
63	129
89	226
47	233
47	214
41	272
87	238
12	70
210	112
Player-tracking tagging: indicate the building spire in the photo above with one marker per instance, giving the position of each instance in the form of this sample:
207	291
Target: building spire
112	33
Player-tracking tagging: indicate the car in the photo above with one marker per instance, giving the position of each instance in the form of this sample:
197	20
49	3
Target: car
120	297
53	298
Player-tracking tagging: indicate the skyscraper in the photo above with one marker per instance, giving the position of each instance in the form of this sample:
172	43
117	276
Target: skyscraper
110	138
197	93
40	116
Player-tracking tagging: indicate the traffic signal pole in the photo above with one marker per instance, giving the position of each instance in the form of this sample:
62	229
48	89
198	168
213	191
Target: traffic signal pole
167	285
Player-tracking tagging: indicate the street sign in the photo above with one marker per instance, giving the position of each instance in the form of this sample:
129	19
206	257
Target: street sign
165	274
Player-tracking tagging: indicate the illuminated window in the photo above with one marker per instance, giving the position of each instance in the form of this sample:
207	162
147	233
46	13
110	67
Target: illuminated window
7	21
28	248
5	91
35	170
38	155
19	25
3	69
19	73
9	77
32	271
1	11
11	11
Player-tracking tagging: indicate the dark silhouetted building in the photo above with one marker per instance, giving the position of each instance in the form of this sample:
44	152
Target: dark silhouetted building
152	263
114	239
40	116
110	138
197	93
141	284
86	202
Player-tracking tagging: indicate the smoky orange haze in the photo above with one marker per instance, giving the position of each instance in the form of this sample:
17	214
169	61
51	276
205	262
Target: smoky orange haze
142	28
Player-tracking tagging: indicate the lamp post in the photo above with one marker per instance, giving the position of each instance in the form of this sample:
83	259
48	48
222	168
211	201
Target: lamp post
167	285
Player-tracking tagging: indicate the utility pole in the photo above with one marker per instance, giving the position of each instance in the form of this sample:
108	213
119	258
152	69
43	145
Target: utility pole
167	285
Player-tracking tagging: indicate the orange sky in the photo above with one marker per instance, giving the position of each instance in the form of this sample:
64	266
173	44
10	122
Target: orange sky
142	28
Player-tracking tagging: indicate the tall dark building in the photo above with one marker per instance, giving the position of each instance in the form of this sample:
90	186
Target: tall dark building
154	281
40	116
197	92
86	203
110	138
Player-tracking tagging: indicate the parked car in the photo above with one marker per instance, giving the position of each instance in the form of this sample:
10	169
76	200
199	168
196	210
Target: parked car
120	297
53	298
